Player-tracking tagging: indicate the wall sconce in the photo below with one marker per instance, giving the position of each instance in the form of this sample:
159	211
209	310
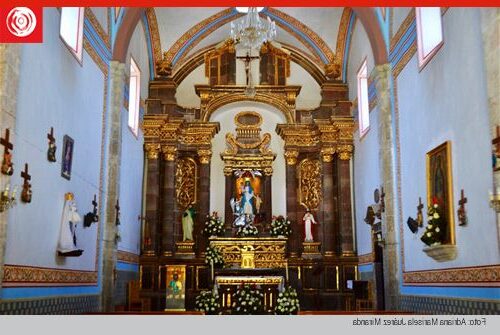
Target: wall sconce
495	200
7	200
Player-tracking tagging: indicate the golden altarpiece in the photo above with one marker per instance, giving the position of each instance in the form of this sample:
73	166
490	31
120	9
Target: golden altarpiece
318	147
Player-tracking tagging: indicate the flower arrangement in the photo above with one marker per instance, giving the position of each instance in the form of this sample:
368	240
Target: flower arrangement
213	255
247	230
247	300
207	302
435	232
280	226
214	225
287	302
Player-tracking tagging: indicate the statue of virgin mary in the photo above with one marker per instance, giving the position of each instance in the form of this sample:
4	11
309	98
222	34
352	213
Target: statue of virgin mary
247	199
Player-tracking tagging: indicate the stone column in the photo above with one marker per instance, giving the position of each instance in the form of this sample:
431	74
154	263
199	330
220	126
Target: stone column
168	200
150	235
291	201
490	21
203	199
113	150
329	234
344	200
388	170
10	55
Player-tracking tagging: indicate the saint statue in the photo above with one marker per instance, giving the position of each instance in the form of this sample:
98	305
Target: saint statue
67	245
258	203
7	165
188	223
51	151
247	199
308	220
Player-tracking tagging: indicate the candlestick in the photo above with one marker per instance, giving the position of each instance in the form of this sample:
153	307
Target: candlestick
212	269
286	269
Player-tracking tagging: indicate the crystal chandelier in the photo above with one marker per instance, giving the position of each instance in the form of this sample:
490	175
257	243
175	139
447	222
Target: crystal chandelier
251	32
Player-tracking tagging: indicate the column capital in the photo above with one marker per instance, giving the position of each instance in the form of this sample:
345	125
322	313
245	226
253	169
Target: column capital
204	155
345	151
169	152
152	150
327	154
291	156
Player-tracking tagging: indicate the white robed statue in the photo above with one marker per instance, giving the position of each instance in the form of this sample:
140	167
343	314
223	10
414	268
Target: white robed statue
244	209
67	245
308	220
188	223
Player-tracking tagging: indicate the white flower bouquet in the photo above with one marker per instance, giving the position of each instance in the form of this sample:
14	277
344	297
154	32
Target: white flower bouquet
214	255
248	230
287	302
207	302
280	226
248	300
214	225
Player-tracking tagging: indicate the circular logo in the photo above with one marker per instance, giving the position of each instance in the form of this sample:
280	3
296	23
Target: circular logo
21	21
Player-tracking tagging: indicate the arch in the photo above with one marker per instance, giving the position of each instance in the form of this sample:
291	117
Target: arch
262	97
366	15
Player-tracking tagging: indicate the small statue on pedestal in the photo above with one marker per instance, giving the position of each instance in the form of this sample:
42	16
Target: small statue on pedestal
308	221
188	223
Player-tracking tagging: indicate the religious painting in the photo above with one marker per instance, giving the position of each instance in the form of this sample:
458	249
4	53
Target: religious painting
248	183
67	157
440	185
176	288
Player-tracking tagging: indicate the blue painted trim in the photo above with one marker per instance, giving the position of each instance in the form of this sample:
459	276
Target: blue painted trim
100	42
37	292
490	293
195	36
121	266
348	46
365	267
115	25
149	46
384	26
320	53
105	58
403	45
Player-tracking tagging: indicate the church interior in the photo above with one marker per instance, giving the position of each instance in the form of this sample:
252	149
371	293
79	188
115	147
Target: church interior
252	160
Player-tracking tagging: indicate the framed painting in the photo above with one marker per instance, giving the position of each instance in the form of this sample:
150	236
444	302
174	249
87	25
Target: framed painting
176	288
67	157
440	185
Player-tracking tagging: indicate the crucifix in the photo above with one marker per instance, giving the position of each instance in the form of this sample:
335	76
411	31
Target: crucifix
7	165
51	151
248	65
26	192
117	207
420	216
91	217
382	199
462	216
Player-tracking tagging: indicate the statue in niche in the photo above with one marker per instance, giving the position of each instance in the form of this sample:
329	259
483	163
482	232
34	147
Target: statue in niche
308	221
188	223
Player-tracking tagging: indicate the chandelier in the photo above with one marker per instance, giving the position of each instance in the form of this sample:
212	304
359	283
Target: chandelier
251	32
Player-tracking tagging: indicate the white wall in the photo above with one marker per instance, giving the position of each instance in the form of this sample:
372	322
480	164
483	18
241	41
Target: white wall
55	91
271	117
447	101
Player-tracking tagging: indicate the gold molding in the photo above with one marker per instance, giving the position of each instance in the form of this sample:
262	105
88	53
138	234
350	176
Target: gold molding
214	97
345	151
327	154
186	176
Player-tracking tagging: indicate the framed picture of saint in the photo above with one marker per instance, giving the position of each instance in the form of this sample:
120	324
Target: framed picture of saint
176	288
440	186
67	157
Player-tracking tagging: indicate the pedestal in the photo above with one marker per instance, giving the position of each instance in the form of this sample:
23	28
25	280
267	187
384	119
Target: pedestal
185	248
311	249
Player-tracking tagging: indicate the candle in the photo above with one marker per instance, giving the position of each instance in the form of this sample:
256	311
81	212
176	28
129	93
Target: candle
212	269
286	269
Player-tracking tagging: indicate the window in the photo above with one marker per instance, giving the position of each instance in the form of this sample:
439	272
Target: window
71	29
134	97
363	106
429	33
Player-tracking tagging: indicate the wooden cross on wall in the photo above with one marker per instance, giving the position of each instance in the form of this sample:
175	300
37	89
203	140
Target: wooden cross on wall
94	203
5	142
117	207
25	175
50	135
462	217
247	60
382	199
420	217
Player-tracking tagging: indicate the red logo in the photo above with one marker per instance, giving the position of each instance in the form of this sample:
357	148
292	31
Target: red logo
21	25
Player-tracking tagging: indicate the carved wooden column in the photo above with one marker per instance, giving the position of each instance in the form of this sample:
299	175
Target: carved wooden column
291	201
168	200
150	232
204	199
344	200
329	231
268	199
